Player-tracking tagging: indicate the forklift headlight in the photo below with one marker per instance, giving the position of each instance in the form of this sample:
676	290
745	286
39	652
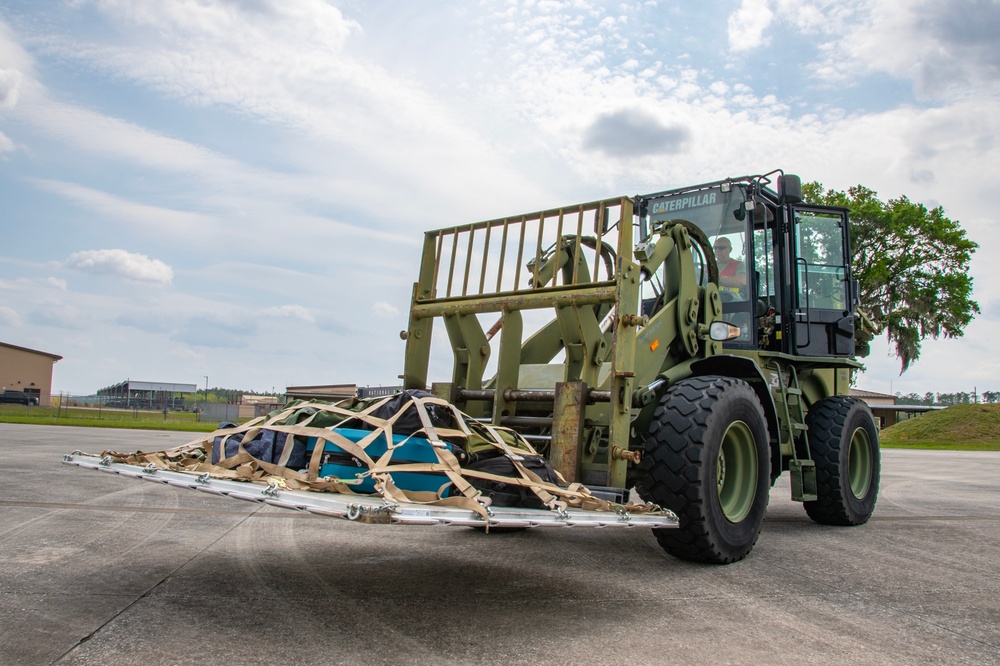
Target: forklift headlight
720	331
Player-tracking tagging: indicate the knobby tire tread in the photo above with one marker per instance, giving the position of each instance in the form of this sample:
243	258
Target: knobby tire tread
676	462
830	422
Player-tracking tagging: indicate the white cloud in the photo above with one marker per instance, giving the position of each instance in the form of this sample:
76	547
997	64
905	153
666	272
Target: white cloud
10	84
314	23
289	66
26	284
748	24
290	312
813	16
119	263
9	316
130	213
57	315
118	139
15	66
383	309
946	48
187	354
12	60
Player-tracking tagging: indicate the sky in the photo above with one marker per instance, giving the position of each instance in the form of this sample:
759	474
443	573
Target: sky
234	192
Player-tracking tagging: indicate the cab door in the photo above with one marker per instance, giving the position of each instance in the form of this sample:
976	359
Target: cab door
823	323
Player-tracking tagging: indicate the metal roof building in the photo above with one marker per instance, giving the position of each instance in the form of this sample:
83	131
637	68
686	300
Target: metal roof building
146	395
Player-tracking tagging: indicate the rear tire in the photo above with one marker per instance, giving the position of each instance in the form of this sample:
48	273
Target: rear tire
843	440
707	460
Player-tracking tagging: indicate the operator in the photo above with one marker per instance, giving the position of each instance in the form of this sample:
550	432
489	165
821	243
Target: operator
732	272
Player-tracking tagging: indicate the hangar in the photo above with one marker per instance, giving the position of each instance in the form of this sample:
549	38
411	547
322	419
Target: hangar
132	394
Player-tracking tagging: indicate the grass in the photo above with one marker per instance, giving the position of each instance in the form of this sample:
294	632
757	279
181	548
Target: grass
958	428
105	418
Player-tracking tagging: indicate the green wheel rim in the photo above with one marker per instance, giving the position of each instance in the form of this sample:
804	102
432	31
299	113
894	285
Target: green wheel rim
859	463
736	472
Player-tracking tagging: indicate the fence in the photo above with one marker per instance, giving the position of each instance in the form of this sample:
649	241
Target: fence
205	411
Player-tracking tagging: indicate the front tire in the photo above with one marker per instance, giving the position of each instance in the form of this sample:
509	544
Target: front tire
707	460
844	443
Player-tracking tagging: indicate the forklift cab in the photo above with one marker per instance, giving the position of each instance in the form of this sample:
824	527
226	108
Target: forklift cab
784	272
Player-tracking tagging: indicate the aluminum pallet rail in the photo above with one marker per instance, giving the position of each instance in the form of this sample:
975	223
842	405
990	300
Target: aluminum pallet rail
371	508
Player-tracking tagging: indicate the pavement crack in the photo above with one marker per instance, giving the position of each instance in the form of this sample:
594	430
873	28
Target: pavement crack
151	589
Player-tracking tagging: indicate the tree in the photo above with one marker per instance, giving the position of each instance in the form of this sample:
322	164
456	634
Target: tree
912	265
960	398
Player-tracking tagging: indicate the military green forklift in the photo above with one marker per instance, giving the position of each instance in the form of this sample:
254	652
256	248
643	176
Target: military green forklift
688	345
669	355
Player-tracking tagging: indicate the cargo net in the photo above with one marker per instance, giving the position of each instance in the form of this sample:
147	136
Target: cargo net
411	448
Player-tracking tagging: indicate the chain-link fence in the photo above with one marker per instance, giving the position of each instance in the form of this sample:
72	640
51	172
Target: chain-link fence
94	405
199	410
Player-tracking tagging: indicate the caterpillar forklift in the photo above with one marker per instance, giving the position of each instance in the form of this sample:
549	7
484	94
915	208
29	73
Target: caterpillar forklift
656	360
688	346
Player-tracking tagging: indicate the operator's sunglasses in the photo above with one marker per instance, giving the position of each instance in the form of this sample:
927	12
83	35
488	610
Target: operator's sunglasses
722	247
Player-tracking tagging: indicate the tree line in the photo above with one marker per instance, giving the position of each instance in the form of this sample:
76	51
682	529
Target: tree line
947	399
229	396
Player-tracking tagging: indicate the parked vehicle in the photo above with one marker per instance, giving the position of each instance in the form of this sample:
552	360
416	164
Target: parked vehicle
18	398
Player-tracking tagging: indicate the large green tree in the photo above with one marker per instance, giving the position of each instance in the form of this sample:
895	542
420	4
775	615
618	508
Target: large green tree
912	265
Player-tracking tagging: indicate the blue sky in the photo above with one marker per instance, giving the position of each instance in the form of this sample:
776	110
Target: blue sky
237	188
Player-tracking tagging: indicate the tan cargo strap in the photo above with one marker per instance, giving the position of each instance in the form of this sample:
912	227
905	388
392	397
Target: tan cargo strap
196	456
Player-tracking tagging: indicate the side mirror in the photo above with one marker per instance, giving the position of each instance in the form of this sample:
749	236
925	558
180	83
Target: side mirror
791	188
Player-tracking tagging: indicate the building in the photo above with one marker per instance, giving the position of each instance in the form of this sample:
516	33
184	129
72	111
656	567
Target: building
885	409
252	406
131	394
331	392
28	371
335	392
882	405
